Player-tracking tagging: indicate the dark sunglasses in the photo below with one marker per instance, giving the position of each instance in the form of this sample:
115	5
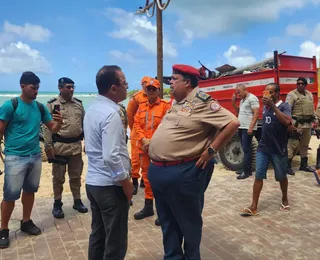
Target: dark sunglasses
68	87
301	84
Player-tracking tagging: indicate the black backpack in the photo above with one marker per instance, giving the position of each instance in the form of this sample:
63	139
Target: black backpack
14	102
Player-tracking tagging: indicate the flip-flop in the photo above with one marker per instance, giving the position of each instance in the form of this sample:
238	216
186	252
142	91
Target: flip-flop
317	175
249	212
285	208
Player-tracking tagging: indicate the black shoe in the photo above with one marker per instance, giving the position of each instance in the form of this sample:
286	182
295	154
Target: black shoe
157	222
30	228
239	171
57	211
142	183
78	206
304	165
243	176
147	210
135	186
290	171
4	238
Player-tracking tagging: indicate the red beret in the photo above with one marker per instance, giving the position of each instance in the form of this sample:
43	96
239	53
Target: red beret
186	69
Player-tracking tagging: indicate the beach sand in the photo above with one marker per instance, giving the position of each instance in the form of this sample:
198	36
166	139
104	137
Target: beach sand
45	189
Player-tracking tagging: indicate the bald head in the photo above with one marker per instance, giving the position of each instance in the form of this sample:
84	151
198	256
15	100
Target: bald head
241	86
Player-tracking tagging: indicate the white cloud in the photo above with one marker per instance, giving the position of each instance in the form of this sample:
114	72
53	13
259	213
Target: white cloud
309	49
122	56
29	31
239	57
316	32
206	17
139	30
19	57
268	54
298	29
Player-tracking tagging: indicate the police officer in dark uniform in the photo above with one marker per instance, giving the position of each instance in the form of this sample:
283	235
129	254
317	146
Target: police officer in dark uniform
64	149
182	150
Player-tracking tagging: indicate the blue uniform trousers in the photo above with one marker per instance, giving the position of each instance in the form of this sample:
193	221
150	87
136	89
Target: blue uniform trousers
179	195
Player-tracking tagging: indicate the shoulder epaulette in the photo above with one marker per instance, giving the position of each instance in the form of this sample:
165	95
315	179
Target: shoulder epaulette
121	105
52	100
203	96
79	100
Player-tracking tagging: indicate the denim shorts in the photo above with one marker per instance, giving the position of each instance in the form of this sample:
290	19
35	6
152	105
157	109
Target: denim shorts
278	161
21	172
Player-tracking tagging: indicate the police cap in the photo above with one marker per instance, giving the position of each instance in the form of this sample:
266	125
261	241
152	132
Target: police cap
65	80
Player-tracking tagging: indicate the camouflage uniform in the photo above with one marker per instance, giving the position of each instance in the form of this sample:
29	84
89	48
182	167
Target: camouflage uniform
124	119
303	115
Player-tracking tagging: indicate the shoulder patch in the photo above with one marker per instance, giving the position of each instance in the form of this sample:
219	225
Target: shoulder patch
121	105
52	100
215	106
79	100
203	96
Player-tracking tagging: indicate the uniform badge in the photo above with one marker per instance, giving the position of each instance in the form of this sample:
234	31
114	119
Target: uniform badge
202	96
215	106
187	107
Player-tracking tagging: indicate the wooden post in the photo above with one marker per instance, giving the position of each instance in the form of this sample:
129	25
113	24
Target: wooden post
160	49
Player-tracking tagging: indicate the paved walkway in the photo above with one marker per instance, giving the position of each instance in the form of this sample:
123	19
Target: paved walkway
226	235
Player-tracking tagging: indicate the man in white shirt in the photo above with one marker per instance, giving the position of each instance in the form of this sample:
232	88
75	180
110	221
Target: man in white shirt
248	113
108	184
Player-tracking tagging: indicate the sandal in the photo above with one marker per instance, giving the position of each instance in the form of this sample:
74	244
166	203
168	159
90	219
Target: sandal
285	208
317	175
249	212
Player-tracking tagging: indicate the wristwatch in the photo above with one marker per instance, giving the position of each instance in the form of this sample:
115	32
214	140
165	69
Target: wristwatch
211	150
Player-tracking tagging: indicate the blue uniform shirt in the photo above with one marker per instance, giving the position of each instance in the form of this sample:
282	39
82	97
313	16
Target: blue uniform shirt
274	137
22	133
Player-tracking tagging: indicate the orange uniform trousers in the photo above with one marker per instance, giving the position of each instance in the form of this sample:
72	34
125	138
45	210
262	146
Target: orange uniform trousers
145	162
135	159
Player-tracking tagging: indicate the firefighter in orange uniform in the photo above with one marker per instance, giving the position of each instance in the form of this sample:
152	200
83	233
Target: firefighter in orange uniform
146	121
137	99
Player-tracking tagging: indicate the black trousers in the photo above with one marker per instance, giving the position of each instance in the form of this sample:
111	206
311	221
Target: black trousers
109	227
179	195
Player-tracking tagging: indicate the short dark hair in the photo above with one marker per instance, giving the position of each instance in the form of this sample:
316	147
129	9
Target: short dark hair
106	77
193	79
276	87
29	77
303	80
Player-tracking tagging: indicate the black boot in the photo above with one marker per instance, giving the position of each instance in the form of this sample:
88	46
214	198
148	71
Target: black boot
147	210
243	176
135	186
304	165
57	211
290	171
157	222
142	183
78	206
318	159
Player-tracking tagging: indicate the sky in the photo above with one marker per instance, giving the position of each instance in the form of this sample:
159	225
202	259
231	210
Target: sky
75	38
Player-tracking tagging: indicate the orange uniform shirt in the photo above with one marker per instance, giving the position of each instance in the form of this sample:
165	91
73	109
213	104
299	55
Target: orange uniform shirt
132	108
148	118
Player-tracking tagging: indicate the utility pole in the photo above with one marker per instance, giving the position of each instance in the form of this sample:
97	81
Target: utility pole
160	7
160	49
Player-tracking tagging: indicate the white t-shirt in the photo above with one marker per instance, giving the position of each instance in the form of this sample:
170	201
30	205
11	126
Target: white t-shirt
245	111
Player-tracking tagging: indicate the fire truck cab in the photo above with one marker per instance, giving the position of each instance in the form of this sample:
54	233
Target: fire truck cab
281	69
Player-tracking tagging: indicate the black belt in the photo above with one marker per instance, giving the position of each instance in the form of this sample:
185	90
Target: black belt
67	140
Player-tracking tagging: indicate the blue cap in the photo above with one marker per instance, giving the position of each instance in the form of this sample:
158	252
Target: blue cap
65	80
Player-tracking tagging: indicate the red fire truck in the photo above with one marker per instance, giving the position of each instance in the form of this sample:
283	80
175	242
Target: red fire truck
281	69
